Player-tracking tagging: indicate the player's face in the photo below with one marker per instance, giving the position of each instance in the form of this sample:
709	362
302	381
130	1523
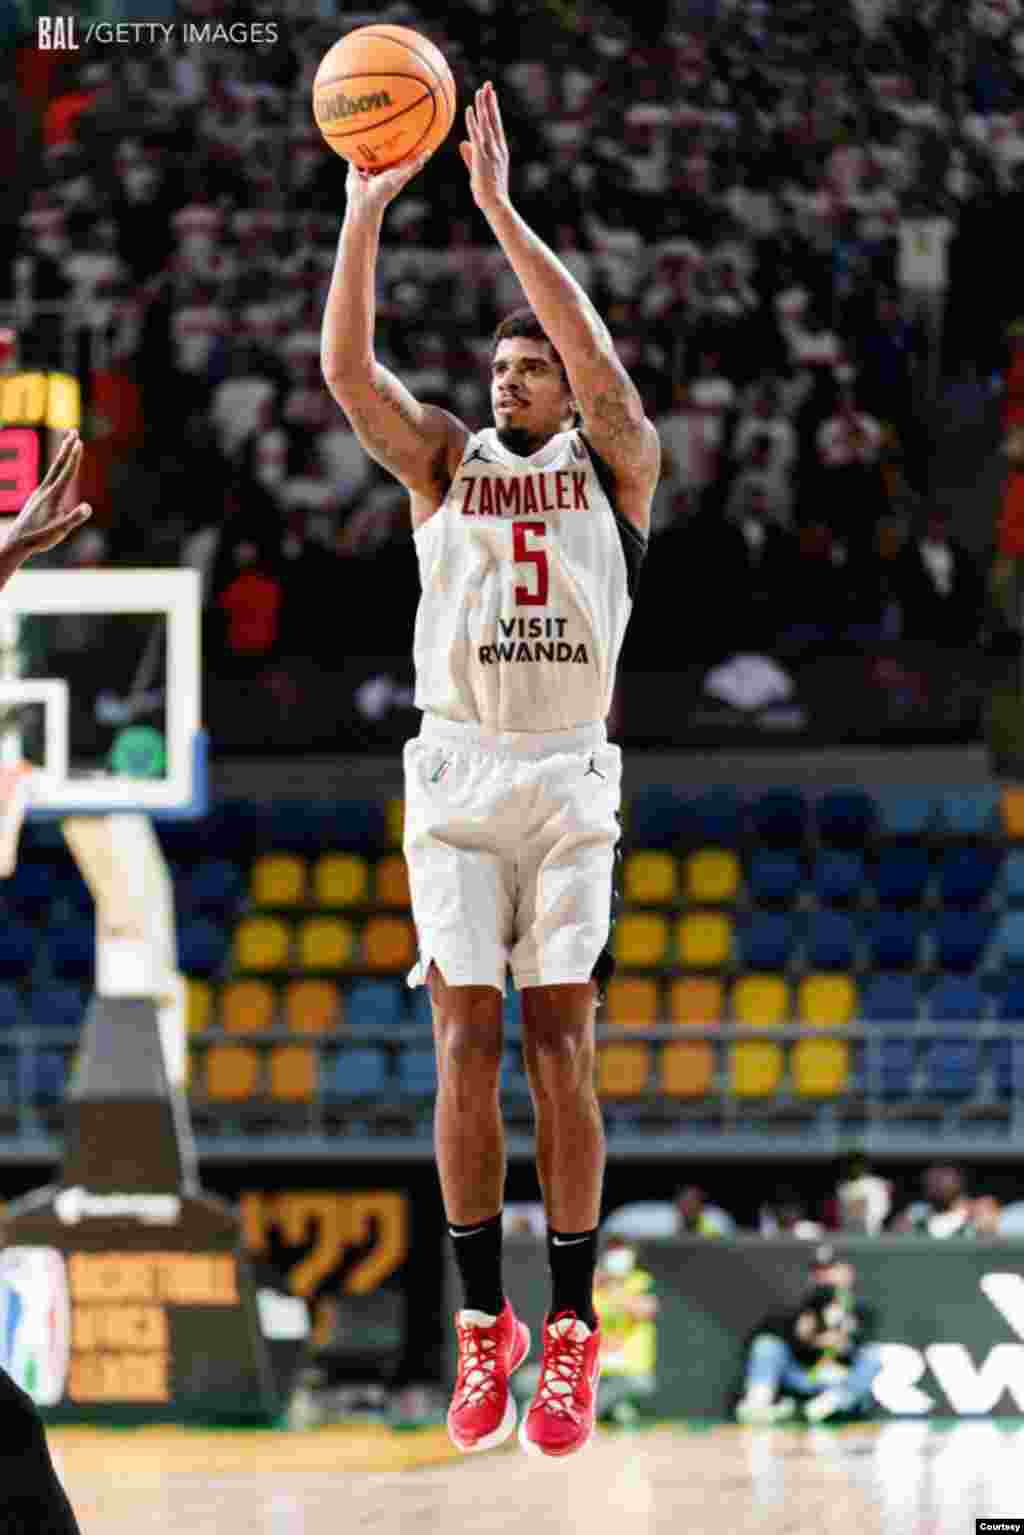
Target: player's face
529	392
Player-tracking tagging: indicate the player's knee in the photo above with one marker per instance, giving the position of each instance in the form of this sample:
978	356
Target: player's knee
560	1057
467	1034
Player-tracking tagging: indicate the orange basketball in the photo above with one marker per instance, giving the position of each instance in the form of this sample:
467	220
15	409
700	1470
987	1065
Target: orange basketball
383	95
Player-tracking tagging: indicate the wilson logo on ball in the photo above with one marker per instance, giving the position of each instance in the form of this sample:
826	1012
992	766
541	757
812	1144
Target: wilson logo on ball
340	106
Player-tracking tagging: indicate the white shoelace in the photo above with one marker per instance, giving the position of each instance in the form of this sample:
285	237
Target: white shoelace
562	1367
478	1358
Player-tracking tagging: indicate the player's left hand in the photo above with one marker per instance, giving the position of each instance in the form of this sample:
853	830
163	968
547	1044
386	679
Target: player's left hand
41	524
486	153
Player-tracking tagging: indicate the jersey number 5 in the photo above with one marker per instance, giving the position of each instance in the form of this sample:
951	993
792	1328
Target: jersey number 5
537	557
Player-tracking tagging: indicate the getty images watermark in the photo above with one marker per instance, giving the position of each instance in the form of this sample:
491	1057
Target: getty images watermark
67	32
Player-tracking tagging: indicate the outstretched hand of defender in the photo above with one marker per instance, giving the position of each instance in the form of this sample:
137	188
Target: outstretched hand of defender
486	152
373	191
41	524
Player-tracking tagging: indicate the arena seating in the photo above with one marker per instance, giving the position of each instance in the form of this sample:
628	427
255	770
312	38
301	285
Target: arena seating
779	955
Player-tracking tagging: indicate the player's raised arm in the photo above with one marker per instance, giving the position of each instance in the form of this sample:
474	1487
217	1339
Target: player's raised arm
419	444
607	399
41	524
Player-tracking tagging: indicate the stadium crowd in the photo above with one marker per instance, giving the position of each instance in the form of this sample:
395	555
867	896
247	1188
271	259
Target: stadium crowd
797	220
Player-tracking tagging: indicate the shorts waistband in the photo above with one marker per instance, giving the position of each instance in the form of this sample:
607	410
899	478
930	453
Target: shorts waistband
513	743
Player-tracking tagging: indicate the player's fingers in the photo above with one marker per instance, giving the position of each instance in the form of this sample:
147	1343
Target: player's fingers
499	126
493	120
472	127
65	470
60	458
482	120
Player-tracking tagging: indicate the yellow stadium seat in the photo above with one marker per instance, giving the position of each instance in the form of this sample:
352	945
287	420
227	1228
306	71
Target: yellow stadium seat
312	1007
246	1007
695	1001
649	879
633	1001
292	1074
326	943
232	1073
755	1068
278	879
687	1068
389	943
391	882
819	1068
760	1001
623	1069
341	879
826	1001
262	943
712	876
394	821
198	1005
705	940
1013	814
640	940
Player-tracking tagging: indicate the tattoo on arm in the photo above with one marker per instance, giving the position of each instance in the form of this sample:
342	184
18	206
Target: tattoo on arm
611	415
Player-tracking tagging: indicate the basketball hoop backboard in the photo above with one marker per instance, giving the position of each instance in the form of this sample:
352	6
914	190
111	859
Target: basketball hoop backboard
100	689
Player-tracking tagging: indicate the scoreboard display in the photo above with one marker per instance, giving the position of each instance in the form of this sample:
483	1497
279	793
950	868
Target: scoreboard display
35	410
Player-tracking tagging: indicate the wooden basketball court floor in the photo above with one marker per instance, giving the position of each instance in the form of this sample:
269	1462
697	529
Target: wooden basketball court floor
901	1478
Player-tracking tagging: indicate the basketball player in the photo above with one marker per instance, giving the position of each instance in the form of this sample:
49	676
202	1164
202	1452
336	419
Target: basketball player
529	536
32	1501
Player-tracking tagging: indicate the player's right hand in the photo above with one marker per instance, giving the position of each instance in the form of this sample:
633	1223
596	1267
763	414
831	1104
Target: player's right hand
41	523
365	190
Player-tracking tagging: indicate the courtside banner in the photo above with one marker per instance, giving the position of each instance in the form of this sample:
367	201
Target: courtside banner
951	1318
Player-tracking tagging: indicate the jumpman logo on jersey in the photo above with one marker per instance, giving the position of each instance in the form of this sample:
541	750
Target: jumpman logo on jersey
592	769
477	453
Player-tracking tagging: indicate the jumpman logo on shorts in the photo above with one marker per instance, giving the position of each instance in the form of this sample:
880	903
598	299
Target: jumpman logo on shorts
440	770
477	453
592	769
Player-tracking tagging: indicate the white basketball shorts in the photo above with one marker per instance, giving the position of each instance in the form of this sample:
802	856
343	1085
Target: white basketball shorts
511	841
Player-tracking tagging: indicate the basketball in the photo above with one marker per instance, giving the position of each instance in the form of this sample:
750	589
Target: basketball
383	95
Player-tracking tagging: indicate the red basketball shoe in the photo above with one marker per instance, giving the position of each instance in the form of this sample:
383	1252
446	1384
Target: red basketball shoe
560	1419
483	1411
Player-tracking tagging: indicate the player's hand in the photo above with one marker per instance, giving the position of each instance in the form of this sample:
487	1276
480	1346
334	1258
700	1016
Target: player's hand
372	193
41	524
486	153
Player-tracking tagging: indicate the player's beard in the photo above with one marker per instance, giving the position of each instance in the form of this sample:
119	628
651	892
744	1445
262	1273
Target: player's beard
516	439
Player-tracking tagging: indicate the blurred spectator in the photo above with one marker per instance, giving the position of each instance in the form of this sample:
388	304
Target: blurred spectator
986	1217
688	1215
627	1308
864	1199
822	1355
940	588
945	1211
786	1216
925	233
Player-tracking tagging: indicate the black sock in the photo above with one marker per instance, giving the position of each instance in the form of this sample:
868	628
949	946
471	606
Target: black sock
478	1255
573	1259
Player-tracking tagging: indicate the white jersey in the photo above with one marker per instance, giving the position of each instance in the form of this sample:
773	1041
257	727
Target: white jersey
527	575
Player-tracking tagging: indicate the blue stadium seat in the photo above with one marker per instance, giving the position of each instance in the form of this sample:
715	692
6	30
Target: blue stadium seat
214	888
891	1067
8	1077
43	1076
1010	1003
893	938
417	1073
357	826
72	949
420	1012
512	1013
1008	943
838	877
31	889
969	812
1006	1057
773	879
961	938
356	1074
846	818
967	874
61	1008
900	876
957	1002
375	1004
513	1074
202	947
779	818
659	817
17	949
831	941
12	1014
1013	877
906	813
718	817
766	941
951	1068
889	999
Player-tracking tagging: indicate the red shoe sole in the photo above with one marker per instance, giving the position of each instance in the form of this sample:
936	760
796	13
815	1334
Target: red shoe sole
507	1426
